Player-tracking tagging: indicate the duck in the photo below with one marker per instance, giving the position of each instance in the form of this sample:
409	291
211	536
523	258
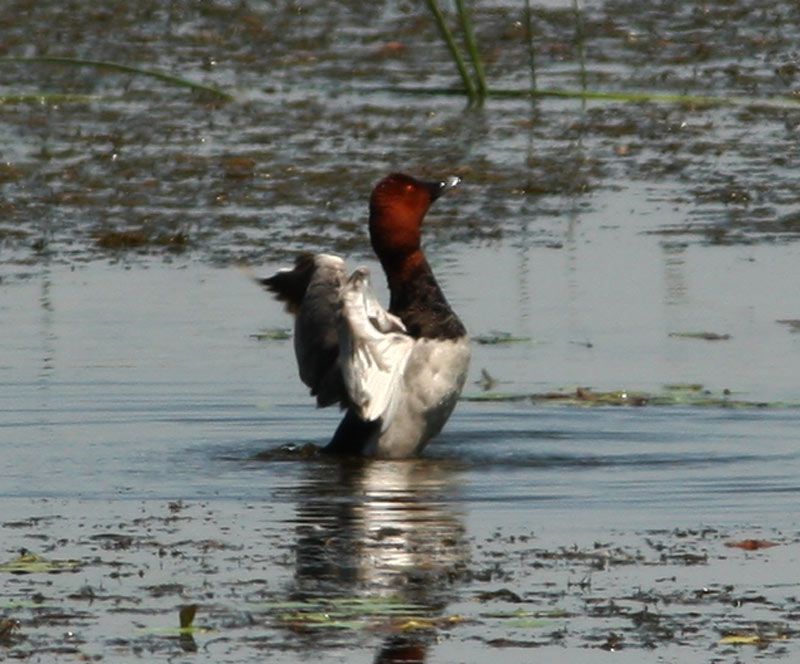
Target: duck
397	372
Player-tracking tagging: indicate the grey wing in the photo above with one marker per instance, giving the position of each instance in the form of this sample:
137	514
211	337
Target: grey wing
311	291
316	341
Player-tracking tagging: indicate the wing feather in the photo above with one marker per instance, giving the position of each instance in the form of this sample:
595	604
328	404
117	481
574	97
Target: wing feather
349	349
312	291
373	353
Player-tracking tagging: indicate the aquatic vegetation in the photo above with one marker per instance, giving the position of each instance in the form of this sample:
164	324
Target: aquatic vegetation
751	544
676	128
472	47
495	338
476	90
515	590
349	613
272	334
9	631
186	626
705	336
645	120
743	639
691	395
118	67
42	98
124	240
792	323
487	382
30	563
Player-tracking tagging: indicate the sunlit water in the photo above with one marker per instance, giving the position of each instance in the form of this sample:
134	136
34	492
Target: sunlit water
135	401
149	383
124	388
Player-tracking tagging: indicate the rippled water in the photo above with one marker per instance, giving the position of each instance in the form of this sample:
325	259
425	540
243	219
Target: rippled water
150	383
125	390
141	416
318	116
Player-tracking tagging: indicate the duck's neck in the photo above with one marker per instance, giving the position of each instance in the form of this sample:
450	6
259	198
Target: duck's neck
418	300
402	269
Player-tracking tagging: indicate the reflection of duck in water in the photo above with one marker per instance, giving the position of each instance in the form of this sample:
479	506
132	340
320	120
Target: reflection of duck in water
379	531
398	373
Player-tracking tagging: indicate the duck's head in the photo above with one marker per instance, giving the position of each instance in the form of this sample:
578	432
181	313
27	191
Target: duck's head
396	209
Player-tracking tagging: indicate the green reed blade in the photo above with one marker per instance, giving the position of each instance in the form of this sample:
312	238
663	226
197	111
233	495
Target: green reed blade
531	49
472	48
469	86
116	66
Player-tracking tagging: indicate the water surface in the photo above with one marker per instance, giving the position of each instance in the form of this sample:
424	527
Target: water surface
142	411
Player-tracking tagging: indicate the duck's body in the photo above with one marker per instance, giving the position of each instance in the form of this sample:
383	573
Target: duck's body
398	373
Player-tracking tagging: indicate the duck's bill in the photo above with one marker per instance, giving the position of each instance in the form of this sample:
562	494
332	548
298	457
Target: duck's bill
441	188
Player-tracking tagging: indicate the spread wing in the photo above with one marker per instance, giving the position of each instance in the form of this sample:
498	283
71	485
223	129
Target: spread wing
349	349
373	351
311	291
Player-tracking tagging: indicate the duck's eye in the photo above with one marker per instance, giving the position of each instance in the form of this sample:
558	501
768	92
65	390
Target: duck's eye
409	188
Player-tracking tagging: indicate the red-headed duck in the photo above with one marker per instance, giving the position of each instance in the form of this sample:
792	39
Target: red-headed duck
397	373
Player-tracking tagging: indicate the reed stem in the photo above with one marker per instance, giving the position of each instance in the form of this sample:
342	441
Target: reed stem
472	48
469	86
580	41
531	49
